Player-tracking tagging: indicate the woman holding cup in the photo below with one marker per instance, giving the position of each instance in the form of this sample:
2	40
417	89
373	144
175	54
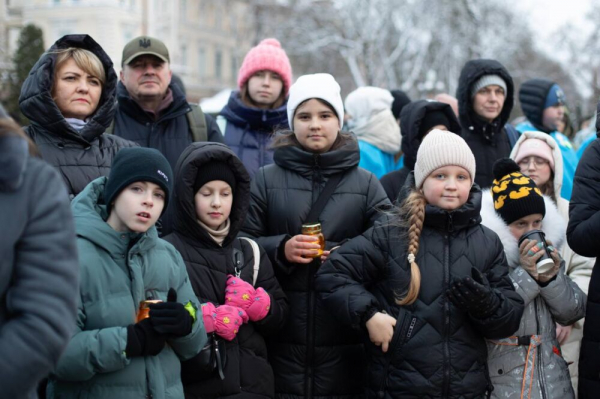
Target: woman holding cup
532	231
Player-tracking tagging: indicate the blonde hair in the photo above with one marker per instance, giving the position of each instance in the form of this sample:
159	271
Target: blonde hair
413	217
84	59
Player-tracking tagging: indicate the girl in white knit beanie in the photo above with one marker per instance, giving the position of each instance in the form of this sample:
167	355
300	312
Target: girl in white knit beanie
427	284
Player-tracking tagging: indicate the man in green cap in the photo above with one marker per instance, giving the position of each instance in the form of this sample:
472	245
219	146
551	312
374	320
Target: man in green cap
152	111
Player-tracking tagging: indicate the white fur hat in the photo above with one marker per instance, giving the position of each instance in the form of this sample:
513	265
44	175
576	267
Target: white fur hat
319	85
441	148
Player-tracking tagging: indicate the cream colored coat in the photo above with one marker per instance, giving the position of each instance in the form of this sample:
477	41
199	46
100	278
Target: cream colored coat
579	268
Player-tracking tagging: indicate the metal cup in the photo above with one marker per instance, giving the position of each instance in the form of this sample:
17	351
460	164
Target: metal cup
545	263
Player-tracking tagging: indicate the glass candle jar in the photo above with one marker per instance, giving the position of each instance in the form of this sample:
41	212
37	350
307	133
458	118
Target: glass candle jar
144	310
314	229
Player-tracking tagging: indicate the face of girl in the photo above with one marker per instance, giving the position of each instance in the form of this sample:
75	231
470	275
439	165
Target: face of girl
264	88
75	92
538	169
447	187
213	203
137	207
525	224
316	126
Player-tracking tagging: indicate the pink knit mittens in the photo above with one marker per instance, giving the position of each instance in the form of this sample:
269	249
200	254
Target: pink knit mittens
224	320
256	302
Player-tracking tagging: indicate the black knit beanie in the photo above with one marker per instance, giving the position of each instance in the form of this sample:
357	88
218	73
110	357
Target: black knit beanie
432	119
135	164
214	171
515	195
400	100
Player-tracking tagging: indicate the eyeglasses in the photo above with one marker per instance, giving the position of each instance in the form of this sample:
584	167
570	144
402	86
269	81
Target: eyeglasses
537	161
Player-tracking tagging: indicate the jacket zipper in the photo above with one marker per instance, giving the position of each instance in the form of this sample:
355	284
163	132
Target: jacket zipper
310	326
446	364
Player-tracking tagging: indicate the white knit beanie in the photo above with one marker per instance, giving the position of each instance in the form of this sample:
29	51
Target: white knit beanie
487	80
319	85
441	148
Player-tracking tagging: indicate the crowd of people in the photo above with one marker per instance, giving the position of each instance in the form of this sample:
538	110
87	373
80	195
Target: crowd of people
298	244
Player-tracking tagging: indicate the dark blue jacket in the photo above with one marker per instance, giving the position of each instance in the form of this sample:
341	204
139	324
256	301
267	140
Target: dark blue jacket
248	131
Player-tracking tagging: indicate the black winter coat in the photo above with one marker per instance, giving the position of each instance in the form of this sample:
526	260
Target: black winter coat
170	133
247	372
411	118
582	234
80	156
38	269
438	350
312	356
488	141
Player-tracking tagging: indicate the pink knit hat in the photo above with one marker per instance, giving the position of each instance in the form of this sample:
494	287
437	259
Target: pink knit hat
268	55
537	148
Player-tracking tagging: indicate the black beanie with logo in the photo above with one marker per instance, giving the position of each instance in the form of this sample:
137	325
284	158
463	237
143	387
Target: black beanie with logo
138	164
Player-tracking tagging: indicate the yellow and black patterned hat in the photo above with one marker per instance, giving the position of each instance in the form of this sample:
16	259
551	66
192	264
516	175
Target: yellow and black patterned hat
515	195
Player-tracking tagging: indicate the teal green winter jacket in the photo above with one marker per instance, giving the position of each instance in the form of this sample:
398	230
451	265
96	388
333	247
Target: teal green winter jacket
118	270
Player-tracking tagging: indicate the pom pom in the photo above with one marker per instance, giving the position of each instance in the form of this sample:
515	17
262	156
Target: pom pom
503	167
270	42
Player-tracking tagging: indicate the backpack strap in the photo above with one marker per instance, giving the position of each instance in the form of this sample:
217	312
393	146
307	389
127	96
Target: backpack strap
197	122
222	123
512	133
256	254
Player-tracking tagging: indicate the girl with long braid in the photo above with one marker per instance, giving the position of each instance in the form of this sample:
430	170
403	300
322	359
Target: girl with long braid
427	284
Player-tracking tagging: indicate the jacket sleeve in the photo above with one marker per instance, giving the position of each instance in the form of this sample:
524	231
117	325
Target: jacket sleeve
377	201
584	209
505	320
255	225
214	134
527	288
564	299
279	303
41	301
343	279
92	351
188	346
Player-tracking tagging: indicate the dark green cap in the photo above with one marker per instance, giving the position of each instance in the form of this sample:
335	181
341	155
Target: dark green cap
144	45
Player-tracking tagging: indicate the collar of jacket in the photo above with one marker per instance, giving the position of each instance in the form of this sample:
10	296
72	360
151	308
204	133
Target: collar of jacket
238	113
554	226
13	162
89	213
484	129
178	107
37	104
297	159
190	163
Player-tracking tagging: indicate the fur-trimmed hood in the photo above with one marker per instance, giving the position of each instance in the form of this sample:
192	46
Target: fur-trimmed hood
553	225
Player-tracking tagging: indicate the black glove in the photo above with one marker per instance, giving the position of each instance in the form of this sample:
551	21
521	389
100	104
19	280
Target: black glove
171	317
475	295
142	340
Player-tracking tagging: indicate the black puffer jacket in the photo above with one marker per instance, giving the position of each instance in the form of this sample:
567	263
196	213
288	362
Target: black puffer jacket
313	356
170	133
411	118
80	156
247	373
488	141
438	350
582	234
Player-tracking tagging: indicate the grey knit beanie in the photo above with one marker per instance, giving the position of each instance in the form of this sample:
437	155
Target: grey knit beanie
441	148
487	80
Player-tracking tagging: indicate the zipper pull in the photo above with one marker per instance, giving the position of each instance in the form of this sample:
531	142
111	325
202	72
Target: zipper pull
450	223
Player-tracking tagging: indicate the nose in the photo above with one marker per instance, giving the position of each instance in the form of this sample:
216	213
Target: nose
149	69
451	184
148	200
267	80
314	124
216	202
83	86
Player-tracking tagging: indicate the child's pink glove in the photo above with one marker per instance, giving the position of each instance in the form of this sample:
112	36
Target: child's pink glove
225	320
256	302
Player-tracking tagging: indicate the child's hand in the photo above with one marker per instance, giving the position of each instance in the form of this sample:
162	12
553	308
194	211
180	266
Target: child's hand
529	254
381	330
325	256
256	302
299	246
562	333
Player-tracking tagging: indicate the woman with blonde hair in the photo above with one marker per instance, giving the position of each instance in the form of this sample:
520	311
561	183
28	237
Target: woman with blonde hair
69	98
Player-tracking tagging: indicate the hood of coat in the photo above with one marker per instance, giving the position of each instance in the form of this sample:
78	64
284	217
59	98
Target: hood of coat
337	160
410	121
554	227
89	213
556	154
470	73
238	113
188	166
37	104
532	96
14	153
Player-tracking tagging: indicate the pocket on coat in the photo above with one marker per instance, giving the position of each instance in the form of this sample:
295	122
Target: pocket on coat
506	360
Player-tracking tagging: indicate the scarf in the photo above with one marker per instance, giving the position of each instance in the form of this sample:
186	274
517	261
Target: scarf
382	131
217	235
75	123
